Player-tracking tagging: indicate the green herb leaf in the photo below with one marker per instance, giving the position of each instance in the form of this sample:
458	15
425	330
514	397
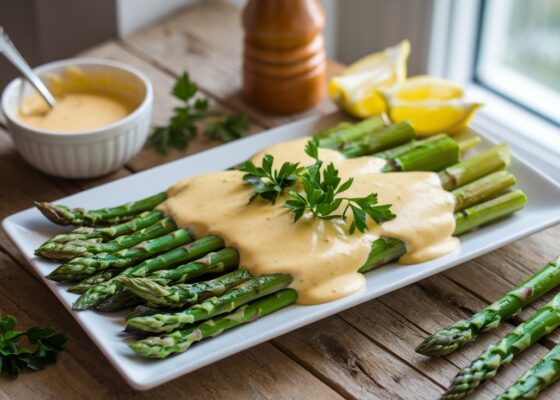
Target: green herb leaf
7	323
229	128
14	358
267	182
320	190
181	128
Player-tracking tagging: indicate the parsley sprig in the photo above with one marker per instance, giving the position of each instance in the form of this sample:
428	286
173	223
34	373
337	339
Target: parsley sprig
269	183
14	358
229	128
182	126
321	196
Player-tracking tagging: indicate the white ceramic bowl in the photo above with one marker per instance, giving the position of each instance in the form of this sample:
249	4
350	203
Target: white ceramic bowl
89	153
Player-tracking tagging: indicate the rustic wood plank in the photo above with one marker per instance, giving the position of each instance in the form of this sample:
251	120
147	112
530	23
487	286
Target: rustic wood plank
24	184
353	364
207	41
83	372
429	305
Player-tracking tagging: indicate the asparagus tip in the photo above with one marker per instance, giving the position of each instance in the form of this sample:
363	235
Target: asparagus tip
52	212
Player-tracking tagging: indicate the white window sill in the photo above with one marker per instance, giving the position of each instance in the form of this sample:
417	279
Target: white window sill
533	138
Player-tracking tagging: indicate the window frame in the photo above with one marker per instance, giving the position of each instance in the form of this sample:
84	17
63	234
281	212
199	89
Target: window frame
452	54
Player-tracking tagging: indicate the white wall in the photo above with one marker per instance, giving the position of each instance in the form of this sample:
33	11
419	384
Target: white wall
136	14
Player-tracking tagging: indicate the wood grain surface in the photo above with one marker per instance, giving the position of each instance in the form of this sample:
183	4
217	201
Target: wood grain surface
366	352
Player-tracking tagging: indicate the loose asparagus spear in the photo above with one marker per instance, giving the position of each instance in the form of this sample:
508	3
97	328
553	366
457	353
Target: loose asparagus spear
385	250
181	294
485	366
430	156
199	248
449	339
213	263
84	233
181	340
233	298
63	215
82	267
382	139
68	251
338	137
538	378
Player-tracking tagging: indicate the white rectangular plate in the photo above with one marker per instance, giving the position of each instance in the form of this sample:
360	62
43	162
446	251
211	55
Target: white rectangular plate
28	229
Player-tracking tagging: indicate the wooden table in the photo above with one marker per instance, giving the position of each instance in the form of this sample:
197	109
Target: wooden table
365	352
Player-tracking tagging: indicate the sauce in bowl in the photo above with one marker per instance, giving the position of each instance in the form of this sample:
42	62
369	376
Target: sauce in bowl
74	112
85	101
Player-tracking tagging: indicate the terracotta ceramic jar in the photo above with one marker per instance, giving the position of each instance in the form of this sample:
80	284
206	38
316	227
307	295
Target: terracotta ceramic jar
284	68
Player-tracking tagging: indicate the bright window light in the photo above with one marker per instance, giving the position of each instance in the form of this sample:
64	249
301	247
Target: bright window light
519	53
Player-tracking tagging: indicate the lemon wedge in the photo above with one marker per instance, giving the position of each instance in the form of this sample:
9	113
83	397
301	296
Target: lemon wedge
433	105
356	89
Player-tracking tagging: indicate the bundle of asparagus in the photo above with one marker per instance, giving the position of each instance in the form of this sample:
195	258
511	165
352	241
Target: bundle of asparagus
486	365
133	254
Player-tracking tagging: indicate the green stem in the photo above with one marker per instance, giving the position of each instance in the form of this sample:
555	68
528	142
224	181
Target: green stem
179	341
385	250
482	189
477	166
94	280
63	215
485	366
403	148
82	267
382	139
430	156
83	233
182	294
469	144
351	133
242	294
199	248
538	378
489	211
68	251
333	130
452	337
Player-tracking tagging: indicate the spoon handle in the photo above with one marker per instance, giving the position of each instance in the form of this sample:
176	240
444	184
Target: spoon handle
13	55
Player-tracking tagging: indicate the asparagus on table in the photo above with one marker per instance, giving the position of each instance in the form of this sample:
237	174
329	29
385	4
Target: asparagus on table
68	251
179	295
63	215
181	340
96	294
229	301
96	235
544	321
538	378
82	267
449	339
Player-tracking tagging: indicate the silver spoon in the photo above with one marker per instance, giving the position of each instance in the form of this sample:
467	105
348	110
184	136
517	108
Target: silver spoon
13	55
